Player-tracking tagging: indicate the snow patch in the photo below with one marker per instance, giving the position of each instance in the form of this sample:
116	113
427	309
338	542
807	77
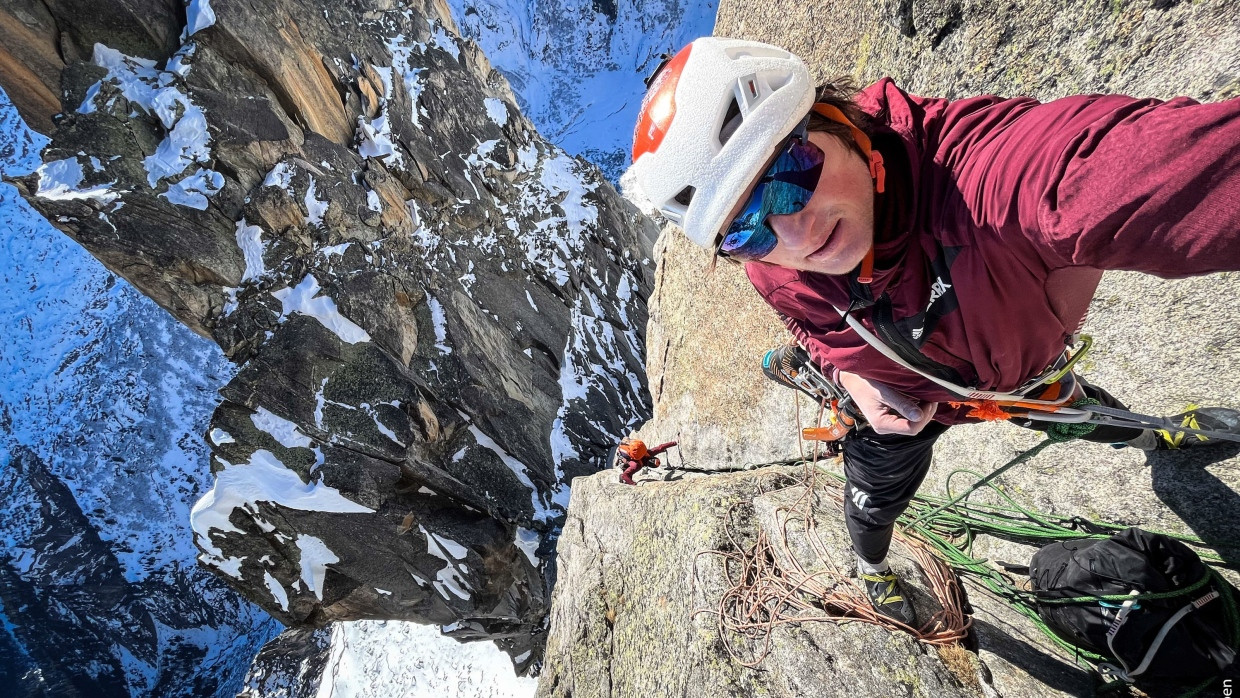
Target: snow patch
277	591
411	77
497	110
316	208
198	16
440	38
375	138
304	299
527	540
155	92
383	429
263	479
192	192
410	660
250	240
59	180
219	437
315	557
179	64
440	323
282	430
280	176
335	250
230	566
448	579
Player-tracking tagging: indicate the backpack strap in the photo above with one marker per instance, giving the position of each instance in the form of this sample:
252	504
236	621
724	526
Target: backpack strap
1129	675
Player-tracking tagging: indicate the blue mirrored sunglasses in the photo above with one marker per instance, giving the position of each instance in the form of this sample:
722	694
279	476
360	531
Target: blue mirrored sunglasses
785	187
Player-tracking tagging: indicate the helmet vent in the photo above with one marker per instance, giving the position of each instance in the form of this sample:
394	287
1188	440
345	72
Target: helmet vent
775	80
731	121
685	196
752	50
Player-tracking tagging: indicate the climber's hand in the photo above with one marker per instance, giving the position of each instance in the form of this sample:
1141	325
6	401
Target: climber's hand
888	410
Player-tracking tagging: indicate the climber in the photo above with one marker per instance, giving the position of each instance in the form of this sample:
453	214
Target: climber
912	243
636	456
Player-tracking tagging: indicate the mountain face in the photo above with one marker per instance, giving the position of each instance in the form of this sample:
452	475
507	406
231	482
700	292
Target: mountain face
437	316
102	403
576	71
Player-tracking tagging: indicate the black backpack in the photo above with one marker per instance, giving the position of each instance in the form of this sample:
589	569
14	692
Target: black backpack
1169	617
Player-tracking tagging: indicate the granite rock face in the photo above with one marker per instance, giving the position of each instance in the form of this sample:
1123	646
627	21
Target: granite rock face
624	617
956	48
437	314
634	607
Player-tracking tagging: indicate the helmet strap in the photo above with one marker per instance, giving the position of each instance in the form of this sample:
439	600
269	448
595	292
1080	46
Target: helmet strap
878	173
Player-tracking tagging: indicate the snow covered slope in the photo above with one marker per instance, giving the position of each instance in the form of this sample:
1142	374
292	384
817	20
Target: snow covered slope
577	67
103	397
381	658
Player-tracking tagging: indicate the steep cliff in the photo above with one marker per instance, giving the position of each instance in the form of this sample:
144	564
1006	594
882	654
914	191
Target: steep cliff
641	581
433	309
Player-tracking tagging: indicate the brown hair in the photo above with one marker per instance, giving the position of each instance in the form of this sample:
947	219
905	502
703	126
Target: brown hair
839	93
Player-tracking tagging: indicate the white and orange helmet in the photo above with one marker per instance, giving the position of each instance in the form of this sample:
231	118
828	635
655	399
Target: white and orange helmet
711	121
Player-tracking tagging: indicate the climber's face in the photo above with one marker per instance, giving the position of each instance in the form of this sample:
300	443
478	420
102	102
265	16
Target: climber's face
834	231
831	224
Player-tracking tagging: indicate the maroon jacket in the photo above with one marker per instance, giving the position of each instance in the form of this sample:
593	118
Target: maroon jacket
1000	216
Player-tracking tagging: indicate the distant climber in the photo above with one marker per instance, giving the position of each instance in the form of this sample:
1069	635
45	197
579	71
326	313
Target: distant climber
636	456
922	249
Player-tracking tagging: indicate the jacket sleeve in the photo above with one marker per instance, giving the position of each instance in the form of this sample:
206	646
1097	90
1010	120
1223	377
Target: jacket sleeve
661	448
817	351
1109	182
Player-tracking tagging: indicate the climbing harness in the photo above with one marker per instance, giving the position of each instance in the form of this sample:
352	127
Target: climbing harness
949	525
1057	433
1052	405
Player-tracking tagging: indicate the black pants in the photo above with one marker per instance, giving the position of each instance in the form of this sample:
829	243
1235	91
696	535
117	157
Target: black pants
883	472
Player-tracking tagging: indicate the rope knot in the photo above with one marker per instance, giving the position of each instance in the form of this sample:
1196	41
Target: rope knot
1060	432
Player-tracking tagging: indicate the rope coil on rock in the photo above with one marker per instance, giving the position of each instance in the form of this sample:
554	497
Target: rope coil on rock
939	532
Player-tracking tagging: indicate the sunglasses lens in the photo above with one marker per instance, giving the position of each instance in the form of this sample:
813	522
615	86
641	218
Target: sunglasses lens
786	187
749	237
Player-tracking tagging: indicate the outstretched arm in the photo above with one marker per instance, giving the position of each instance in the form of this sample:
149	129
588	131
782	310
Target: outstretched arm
1110	182
661	448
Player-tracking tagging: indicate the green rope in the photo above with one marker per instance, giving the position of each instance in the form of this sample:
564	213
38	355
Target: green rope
1148	596
1058	432
949	525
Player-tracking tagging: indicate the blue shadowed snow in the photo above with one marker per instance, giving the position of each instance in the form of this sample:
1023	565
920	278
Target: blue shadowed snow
577	67
113	395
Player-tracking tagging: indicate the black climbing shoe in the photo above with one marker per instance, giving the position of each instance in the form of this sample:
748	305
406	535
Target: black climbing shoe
1204	418
887	597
